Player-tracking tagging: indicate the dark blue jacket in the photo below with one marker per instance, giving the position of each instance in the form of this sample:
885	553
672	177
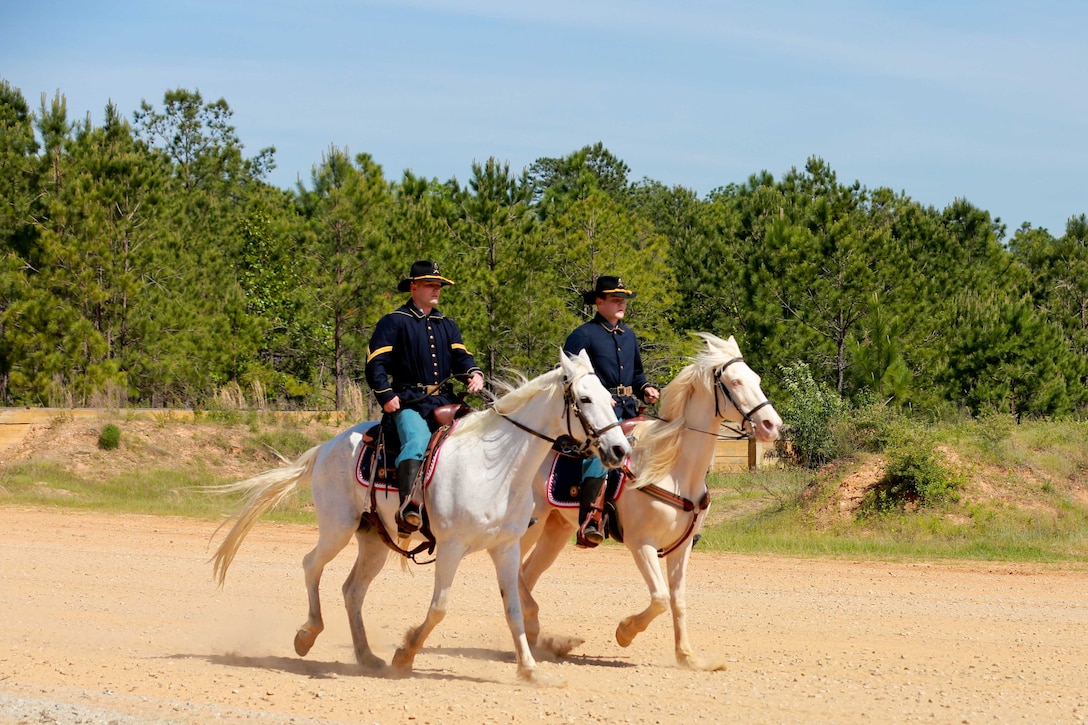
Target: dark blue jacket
616	359
410	353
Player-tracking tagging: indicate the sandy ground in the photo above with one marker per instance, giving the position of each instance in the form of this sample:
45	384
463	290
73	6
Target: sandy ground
115	619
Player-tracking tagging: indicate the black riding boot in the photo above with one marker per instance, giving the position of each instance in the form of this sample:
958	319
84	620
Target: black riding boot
587	498
408	518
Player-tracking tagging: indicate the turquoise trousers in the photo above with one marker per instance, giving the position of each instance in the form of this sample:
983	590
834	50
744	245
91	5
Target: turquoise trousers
414	434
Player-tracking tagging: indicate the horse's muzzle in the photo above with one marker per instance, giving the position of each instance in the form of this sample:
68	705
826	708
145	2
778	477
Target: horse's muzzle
614	456
768	427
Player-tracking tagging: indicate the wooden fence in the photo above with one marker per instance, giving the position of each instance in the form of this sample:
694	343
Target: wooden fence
749	454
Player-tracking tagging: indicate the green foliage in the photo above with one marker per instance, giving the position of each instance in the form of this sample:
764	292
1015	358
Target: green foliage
499	255
1005	355
147	260
992	430
110	437
346	234
868	427
916	473
557	183
879	365
810	410
1056	277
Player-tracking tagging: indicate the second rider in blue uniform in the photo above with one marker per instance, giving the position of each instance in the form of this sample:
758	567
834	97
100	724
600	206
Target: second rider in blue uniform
617	360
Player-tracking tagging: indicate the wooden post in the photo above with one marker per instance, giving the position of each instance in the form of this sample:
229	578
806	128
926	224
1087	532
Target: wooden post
753	460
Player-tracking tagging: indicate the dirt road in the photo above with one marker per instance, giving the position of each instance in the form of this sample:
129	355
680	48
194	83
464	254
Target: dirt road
115	619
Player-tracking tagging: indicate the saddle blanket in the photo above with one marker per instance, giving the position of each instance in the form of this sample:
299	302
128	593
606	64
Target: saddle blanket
385	471
565	479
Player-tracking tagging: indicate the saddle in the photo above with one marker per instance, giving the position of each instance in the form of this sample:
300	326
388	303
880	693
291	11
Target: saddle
381	445
377	468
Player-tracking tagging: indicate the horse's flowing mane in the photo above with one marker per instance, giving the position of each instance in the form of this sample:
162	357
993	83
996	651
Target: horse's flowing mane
518	392
659	440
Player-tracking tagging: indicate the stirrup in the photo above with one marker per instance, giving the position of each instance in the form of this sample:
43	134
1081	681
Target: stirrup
408	518
589	536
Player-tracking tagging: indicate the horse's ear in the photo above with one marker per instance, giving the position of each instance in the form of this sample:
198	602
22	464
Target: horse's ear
565	363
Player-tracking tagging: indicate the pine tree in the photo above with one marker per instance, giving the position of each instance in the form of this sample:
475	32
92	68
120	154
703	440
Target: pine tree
347	212
504	280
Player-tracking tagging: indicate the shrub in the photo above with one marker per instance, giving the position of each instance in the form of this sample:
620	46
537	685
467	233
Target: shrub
993	430
810	410
110	437
868	428
916	472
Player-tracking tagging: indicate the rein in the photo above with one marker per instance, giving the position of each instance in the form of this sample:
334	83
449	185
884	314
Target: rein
426	392
740	434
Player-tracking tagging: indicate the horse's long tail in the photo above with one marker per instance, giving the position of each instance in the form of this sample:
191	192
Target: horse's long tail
265	491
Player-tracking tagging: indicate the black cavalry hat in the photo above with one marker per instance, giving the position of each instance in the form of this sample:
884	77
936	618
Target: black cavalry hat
607	285
423	270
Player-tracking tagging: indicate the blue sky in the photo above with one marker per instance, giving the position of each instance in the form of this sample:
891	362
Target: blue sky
986	101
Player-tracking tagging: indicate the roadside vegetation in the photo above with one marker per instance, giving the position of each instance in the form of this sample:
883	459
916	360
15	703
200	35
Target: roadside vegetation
888	486
986	488
161	464
146	262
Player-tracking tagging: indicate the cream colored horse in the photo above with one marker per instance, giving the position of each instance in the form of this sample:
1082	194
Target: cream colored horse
665	506
479	497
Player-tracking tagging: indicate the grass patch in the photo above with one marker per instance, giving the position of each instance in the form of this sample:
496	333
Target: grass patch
900	538
159	492
288	442
988	489
162	464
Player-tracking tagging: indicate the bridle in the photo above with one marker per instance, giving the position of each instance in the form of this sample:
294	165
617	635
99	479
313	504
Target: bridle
740	434
720	386
566	444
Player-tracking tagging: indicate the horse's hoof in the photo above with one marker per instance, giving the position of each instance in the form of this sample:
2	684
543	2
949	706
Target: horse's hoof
370	661
539	678
702	664
304	640
622	638
402	663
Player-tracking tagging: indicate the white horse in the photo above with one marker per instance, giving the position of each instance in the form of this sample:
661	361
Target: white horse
664	507
479	497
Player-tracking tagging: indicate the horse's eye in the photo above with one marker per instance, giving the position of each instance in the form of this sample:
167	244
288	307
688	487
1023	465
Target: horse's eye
585	399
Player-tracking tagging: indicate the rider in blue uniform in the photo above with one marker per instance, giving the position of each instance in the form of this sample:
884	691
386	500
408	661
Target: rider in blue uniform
413	355
617	360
